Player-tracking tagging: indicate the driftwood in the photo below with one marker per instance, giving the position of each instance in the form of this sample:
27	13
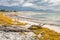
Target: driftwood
14	29
17	28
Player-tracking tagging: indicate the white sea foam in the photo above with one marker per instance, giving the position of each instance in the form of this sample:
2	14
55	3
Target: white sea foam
51	27
55	28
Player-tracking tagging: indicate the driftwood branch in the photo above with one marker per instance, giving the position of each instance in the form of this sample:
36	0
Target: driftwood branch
14	29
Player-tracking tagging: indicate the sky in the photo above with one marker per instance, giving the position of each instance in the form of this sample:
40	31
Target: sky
51	5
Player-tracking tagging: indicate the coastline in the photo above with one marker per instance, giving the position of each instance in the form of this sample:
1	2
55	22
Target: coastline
32	21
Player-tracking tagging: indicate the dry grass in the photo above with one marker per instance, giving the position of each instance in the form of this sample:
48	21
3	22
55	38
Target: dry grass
46	33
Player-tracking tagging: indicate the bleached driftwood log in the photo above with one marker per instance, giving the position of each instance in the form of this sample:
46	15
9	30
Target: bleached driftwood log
14	29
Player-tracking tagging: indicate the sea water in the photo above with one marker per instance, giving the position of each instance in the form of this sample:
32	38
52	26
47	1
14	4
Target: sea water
54	18
48	17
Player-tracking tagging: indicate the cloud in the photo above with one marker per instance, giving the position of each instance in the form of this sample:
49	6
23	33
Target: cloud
55	1
11	2
27	4
53	5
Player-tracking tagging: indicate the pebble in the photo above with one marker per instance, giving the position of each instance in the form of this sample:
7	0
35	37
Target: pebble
15	36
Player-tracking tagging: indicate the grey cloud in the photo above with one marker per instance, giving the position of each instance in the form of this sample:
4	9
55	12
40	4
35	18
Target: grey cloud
37	4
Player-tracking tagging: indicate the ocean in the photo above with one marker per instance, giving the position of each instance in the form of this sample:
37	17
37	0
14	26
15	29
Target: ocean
48	17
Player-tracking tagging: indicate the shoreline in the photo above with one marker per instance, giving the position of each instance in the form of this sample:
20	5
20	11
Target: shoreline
34	21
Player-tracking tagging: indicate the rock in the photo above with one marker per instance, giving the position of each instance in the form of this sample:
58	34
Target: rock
16	36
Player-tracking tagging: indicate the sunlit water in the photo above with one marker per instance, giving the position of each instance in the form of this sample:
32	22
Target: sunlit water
53	17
